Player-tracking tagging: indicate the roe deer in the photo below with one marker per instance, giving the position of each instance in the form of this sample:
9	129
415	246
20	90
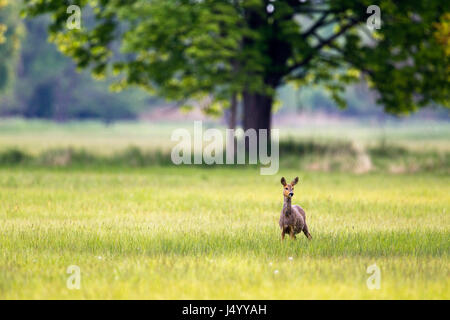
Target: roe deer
292	218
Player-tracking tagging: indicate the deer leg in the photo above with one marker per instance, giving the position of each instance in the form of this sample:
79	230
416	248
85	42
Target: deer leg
306	232
291	232
282	235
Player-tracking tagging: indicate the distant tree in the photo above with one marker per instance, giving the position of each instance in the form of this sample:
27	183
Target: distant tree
11	31
47	84
189	49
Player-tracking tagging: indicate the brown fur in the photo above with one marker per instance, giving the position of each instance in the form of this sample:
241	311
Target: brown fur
293	217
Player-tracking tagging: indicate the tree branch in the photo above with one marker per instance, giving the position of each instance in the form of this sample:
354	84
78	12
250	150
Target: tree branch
322	44
316	25
364	70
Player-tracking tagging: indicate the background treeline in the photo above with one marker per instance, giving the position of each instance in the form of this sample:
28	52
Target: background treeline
37	81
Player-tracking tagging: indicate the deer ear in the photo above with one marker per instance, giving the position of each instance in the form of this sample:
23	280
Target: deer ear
283	181
295	181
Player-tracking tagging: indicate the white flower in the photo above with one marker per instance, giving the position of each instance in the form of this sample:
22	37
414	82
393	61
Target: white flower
99	258
290	258
275	272
270	263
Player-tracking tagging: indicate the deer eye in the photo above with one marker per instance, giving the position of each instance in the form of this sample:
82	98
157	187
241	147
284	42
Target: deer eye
286	188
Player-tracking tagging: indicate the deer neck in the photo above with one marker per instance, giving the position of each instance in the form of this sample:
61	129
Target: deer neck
287	206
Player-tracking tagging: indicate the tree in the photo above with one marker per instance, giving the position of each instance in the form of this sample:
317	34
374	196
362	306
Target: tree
189	49
11	31
40	82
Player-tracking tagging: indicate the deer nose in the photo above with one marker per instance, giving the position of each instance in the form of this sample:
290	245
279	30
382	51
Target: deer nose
291	194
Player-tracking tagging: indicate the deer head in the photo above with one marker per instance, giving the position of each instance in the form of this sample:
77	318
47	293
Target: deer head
288	188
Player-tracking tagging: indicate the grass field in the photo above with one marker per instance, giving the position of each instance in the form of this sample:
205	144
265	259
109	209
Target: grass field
195	233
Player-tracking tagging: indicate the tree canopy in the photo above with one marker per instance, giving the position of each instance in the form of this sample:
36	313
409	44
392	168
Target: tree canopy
192	49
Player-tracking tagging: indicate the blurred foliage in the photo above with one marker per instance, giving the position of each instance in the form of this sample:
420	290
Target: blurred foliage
188	49
442	33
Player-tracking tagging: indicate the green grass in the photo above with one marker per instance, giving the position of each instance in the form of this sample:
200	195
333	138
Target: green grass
191	233
77	194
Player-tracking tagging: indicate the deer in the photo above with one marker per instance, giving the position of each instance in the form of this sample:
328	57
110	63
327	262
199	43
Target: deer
293	217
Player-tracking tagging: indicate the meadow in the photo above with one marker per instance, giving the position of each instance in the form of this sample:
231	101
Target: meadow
162	232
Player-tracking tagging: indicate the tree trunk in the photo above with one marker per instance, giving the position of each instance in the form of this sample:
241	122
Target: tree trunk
232	112
257	111
257	114
231	117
